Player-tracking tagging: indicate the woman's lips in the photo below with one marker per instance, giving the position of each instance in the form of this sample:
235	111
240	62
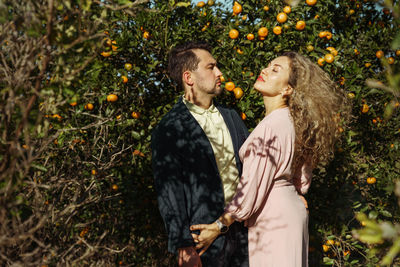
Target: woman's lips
260	78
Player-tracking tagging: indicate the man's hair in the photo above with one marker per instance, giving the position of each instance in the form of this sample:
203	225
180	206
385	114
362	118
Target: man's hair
182	58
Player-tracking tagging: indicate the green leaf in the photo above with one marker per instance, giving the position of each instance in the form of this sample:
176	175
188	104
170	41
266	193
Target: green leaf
135	135
386	213
39	167
396	42
328	261
373	215
183	4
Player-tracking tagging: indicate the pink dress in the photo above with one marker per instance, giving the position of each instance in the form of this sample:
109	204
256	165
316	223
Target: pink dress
267	197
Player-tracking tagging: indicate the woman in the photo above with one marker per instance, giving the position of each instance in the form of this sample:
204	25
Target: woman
298	131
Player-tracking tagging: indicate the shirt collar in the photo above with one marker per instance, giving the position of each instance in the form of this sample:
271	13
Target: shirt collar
199	110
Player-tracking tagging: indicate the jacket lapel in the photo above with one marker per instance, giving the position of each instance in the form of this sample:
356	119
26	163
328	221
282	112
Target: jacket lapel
196	133
233	133
231	127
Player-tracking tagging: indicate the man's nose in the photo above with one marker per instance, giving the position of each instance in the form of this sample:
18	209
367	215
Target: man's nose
218	72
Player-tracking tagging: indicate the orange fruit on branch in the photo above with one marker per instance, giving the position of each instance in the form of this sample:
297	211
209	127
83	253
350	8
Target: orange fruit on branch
329	58
277	30
233	34
229	86
250	36
379	54
321	61
128	66
105	54
146	35
237	8
263	32
112	98
365	108
89	106
322	34
300	25
201	4
135	115
311	2
281	17
124	79
238	92
287	9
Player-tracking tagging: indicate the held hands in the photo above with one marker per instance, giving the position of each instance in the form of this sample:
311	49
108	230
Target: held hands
188	257
208	233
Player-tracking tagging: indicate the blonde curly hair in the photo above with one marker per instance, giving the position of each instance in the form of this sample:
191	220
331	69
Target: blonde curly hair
317	106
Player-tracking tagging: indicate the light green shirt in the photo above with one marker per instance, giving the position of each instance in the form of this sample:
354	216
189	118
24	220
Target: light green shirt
213	125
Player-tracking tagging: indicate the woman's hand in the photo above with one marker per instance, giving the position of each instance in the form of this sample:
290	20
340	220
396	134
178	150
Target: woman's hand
304	201
208	233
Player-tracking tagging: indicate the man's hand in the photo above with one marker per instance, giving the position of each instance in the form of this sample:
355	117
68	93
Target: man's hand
208	233
188	257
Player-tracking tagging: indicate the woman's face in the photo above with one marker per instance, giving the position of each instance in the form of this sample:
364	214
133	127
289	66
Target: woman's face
273	80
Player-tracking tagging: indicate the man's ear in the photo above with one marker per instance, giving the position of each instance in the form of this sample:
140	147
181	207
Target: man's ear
288	91
187	78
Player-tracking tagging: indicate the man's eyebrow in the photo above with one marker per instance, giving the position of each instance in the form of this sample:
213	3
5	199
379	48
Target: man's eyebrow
212	64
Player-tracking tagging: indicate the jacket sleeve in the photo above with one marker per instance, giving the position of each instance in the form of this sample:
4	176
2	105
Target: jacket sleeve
168	178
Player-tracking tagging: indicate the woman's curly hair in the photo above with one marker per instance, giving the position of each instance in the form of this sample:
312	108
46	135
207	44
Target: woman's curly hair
317	106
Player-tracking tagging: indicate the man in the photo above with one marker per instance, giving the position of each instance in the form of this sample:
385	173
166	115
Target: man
196	163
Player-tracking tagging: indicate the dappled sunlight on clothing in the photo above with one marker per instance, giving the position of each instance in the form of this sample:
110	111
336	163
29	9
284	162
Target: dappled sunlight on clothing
266	197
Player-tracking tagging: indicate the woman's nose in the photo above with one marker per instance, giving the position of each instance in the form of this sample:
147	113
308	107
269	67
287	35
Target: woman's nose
264	71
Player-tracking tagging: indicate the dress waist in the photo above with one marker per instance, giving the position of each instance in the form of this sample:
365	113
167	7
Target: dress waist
282	182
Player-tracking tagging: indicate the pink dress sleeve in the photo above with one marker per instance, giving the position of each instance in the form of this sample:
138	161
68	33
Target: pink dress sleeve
260	162
302	177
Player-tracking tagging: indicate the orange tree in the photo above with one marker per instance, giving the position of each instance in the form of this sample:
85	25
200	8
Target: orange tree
76	173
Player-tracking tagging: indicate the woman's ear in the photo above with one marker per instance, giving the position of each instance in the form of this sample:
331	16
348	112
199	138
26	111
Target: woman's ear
287	91
187	78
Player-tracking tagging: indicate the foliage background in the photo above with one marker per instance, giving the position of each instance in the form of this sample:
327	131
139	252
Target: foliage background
76	184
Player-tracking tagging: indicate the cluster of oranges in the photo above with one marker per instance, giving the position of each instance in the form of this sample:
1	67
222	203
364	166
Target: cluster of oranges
380	54
237	91
202	3
146	34
325	34
330	243
281	18
109	43
329	57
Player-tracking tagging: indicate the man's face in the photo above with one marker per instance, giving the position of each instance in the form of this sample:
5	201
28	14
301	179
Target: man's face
207	77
